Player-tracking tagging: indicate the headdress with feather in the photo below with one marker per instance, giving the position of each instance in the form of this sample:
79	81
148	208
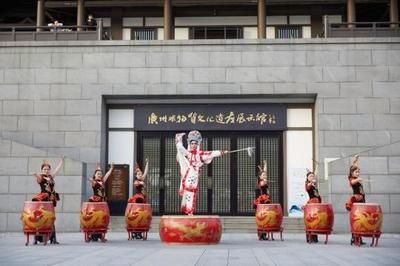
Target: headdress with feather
45	163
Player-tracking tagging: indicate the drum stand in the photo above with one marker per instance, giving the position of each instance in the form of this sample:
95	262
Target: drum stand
269	232
144	232
89	232
45	234
310	233
375	238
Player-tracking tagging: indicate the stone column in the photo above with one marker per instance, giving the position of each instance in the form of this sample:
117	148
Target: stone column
80	16
168	34
116	23
40	14
394	13
261	15
351	12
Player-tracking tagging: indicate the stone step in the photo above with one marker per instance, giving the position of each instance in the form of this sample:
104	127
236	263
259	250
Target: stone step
230	224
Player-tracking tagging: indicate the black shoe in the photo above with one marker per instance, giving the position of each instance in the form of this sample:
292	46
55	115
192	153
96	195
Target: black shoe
352	241
138	235
94	237
264	236
54	242
315	238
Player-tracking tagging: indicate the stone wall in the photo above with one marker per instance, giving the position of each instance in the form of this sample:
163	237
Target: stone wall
51	95
18	162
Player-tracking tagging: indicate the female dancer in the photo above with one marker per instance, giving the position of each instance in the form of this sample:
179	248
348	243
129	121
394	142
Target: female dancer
47	191
355	182
312	190
140	190
98	182
262	193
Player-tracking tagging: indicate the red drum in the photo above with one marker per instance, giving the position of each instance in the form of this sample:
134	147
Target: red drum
138	218
318	219
194	229
94	218
38	218
269	219
366	220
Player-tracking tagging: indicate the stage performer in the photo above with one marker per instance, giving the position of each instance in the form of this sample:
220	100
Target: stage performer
355	182
262	192
98	183
47	191
140	190
190	161
312	190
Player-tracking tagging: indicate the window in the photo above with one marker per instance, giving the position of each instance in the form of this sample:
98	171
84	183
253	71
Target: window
144	34
288	32
231	32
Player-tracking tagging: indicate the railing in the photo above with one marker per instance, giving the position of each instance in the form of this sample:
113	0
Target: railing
51	33
362	29
144	34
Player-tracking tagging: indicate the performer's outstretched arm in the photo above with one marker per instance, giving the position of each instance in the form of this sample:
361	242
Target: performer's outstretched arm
108	173
146	169
208	156
59	166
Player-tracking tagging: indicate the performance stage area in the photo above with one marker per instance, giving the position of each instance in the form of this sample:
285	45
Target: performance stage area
234	249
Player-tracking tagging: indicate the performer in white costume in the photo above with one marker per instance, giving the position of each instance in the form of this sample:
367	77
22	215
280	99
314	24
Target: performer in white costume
190	161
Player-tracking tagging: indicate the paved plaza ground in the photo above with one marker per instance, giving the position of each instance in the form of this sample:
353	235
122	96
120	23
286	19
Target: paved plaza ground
234	249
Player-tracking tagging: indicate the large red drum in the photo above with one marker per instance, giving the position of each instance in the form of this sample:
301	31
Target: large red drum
138	218
38	219
366	220
318	217
195	229
269	219
95	217
38	216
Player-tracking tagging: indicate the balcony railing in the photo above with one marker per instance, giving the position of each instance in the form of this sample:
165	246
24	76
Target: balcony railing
362	29
51	33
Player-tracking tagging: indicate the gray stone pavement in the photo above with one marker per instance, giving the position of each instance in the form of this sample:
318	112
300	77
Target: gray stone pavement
234	249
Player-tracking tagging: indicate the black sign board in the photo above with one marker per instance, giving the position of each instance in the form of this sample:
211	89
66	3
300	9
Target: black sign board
117	189
235	117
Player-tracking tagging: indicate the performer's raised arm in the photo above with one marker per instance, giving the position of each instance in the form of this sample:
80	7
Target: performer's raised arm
146	169
58	168
179	144
108	172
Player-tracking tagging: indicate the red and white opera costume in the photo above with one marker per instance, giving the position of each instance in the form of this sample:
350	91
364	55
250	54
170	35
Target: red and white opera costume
190	161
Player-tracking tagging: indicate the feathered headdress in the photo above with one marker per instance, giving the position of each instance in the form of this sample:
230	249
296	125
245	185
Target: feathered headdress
355	161
194	135
263	168
98	167
354	165
315	167
45	163
137	168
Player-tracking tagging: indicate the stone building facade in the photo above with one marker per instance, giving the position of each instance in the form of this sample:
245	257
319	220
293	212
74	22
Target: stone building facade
54	97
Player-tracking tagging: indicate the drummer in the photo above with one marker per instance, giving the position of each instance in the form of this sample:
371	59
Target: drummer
355	182
140	190
312	191
98	182
262	192
47	191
